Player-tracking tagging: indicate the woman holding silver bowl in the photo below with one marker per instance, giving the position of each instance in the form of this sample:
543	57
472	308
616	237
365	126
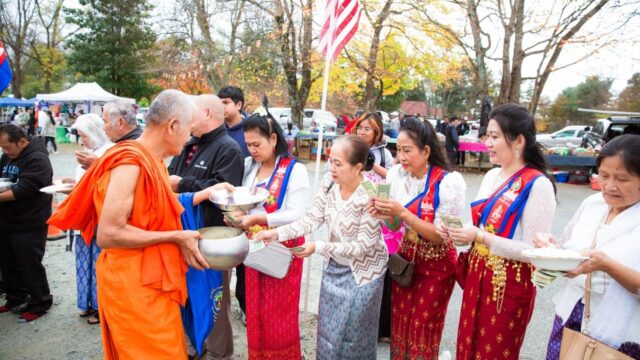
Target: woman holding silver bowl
272	304
605	228
355	253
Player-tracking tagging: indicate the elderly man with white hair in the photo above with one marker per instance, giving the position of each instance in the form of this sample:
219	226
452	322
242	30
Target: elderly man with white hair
141	269
120	124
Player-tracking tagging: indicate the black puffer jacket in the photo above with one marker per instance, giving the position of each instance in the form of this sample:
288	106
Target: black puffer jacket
30	172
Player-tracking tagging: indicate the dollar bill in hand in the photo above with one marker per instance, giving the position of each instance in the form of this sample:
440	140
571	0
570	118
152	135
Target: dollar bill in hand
297	249
452	221
255	245
384	190
369	188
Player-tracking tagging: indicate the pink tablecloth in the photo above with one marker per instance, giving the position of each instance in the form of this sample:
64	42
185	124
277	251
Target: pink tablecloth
473	146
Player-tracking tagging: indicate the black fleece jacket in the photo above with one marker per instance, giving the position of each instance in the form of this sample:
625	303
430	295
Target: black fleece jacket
217	159
30	172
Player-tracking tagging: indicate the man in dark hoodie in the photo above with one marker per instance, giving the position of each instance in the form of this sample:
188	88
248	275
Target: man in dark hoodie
233	100
24	211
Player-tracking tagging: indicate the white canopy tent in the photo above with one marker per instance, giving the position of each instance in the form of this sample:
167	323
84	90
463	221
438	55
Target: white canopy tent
89	92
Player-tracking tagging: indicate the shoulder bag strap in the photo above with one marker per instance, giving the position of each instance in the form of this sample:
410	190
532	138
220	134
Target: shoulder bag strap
587	287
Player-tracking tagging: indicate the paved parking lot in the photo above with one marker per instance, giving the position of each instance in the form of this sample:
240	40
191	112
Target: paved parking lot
63	335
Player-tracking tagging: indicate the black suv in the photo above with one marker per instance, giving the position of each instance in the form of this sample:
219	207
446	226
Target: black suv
607	129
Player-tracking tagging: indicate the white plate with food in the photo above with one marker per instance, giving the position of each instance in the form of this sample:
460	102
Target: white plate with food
550	258
52	189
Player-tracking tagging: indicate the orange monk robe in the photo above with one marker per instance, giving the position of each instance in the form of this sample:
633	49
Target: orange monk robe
139	290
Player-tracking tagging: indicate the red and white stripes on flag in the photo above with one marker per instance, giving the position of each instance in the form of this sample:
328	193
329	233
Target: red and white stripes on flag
341	18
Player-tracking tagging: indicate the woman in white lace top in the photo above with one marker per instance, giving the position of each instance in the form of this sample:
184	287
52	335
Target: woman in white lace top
514	203
422	191
605	228
355	255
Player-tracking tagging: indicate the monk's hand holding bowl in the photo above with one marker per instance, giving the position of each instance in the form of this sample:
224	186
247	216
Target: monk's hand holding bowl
267	236
187	240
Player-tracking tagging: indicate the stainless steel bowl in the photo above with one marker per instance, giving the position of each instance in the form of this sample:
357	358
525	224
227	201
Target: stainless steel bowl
223	247
5	184
243	198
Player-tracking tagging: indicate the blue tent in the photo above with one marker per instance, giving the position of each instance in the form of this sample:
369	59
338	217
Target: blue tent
9	101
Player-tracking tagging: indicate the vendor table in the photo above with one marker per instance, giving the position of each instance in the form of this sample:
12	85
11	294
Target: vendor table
571	162
306	144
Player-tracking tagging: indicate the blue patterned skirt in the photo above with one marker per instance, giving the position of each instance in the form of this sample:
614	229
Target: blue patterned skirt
86	257
348	315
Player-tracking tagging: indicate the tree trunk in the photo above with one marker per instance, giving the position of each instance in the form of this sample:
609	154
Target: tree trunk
518	54
16	81
480	67
371	93
505	83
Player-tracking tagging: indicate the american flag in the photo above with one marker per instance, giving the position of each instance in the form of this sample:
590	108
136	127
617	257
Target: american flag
341	18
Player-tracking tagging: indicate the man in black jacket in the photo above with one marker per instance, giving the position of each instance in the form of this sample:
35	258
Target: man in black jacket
24	211
451	140
463	129
209	158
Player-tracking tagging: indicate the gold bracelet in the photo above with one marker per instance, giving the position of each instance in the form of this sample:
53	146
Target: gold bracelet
479	236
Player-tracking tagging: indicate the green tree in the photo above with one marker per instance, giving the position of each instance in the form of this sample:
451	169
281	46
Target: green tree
629	99
593	93
112	45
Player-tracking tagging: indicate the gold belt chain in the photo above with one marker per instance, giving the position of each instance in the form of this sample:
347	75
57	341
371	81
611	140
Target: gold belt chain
424	249
499	266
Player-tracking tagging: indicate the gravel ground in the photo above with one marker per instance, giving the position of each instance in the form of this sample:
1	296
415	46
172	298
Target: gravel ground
62	334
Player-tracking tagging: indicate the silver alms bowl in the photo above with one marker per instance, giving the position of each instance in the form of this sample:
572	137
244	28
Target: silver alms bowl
243	198
223	247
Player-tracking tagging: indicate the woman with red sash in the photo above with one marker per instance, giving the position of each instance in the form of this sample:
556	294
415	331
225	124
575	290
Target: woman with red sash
515	202
422	191
273	304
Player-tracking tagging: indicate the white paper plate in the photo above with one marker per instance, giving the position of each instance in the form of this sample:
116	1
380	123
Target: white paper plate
52	189
554	259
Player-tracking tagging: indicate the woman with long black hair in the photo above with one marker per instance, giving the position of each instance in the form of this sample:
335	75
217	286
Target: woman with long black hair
423	190
273	304
516	201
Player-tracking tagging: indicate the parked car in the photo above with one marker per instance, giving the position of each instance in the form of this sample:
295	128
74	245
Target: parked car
310	117
607	129
568	136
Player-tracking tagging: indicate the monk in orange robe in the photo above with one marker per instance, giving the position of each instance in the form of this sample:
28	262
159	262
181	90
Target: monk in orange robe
126	201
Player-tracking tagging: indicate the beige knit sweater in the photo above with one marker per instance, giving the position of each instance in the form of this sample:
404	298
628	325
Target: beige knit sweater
361	238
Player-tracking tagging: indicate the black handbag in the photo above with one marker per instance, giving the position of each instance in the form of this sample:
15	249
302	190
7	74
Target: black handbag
402	269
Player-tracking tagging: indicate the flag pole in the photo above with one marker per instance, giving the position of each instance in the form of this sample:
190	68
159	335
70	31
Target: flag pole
323	107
